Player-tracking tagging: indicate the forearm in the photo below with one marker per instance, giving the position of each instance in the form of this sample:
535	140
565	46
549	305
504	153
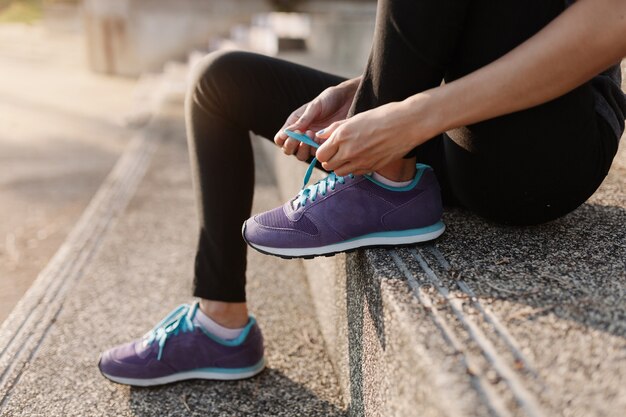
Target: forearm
583	41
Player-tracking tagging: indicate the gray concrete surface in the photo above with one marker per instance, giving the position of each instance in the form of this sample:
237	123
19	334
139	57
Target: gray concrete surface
489	320
62	130
143	269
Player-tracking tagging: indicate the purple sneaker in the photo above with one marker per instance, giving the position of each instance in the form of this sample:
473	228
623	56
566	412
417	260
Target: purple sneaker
338	214
177	349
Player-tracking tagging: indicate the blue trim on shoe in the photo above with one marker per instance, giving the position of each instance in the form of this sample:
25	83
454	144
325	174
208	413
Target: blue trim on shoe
231	342
418	176
401	233
259	365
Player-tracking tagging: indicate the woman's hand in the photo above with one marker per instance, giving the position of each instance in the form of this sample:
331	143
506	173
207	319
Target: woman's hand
370	140
331	105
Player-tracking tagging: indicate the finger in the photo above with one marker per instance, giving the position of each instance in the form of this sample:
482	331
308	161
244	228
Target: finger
311	112
311	134
342	156
344	169
328	131
280	137
336	161
331	136
327	151
303	152
290	146
350	168
360	172
334	164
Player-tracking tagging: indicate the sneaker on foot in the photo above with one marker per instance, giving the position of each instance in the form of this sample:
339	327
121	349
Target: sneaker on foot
177	349
338	214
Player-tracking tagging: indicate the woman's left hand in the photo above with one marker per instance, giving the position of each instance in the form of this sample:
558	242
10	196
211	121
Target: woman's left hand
370	140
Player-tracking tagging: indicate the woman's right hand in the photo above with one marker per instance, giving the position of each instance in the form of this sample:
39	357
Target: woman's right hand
330	106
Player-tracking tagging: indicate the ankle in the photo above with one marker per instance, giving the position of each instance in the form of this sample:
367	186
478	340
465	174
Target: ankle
230	315
400	170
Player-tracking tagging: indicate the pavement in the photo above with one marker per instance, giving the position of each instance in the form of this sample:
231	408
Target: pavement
62	131
140	268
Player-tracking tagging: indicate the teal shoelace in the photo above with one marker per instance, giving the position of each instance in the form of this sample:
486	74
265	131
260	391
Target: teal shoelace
179	320
321	187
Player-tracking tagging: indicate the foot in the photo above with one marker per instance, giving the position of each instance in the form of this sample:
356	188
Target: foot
177	349
339	214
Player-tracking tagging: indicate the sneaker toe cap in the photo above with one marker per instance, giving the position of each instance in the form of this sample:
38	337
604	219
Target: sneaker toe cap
274	229
124	361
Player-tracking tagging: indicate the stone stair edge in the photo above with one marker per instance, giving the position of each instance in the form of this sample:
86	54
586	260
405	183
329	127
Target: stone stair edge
27	325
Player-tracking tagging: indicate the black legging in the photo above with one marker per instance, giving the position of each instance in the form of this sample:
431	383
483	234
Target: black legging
524	168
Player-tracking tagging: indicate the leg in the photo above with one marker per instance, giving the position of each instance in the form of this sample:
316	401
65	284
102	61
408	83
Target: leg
485	167
414	43
231	94
530	166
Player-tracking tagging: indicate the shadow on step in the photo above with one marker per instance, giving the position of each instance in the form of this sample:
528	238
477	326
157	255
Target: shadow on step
270	393
573	267
359	294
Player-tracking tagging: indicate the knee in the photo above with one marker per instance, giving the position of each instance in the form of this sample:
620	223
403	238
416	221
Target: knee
213	76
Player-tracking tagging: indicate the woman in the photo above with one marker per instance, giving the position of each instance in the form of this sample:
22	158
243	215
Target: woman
523	131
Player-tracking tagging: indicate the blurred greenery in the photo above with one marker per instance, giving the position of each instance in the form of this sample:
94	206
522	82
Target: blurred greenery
26	11
22	11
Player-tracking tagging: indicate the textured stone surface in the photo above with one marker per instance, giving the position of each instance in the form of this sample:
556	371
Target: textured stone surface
488	320
143	270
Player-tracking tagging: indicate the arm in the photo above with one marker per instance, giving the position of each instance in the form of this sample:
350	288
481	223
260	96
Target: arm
584	40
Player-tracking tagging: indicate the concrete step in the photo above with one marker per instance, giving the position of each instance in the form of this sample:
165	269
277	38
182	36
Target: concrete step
487	321
126	264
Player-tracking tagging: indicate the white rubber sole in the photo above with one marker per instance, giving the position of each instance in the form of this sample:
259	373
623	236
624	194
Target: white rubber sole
209	373
404	237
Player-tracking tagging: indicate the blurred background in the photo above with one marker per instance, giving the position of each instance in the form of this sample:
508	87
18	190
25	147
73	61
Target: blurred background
79	77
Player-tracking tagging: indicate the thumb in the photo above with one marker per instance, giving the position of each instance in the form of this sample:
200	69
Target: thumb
329	146
328	131
310	114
